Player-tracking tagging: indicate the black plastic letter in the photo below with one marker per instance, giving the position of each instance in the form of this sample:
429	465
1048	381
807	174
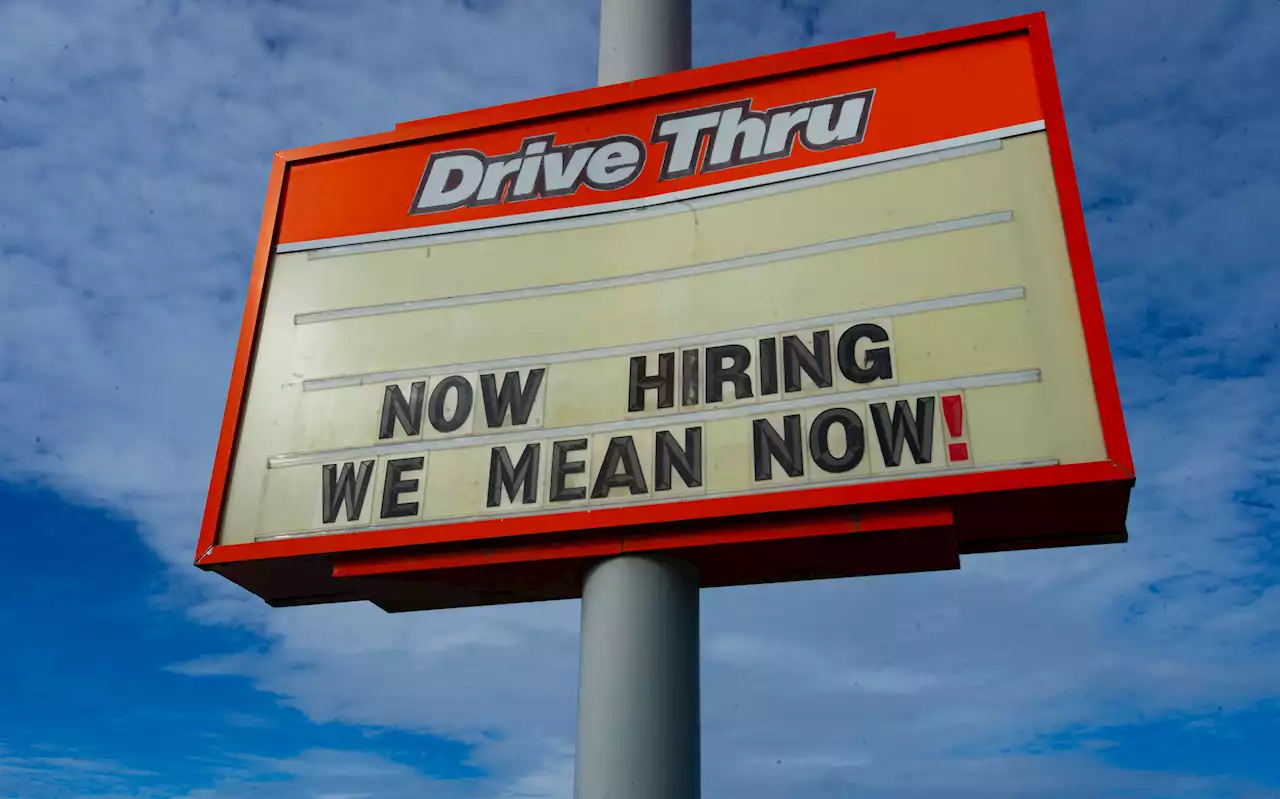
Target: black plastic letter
787	449
621	451
346	488
796	357
393	487
768	348
690	377
435	408
561	467
522	477
879	364
395	408
736	372
917	431
664	381
511	396
855	440
687	461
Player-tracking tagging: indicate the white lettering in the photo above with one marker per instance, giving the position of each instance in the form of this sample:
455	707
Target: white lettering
463	170
496	176
782	126
682	134
736	139
734	135
561	178
527	180
738	135
819	132
614	163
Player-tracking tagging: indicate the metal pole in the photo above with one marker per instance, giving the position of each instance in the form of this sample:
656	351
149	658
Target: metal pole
639	730
638	699
639	38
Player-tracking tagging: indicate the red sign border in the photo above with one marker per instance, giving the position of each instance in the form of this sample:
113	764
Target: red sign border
1117	469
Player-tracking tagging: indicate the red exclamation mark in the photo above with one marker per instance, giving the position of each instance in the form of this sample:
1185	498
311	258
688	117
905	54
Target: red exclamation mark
953	415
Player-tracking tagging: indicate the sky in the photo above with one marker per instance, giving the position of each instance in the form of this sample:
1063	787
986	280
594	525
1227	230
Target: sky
135	146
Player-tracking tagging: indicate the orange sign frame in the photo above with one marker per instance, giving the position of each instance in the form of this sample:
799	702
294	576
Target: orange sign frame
926	91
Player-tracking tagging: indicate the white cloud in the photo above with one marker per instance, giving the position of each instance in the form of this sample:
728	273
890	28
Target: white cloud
134	144
326	774
63	777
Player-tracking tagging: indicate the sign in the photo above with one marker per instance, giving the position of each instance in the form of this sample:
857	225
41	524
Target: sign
824	313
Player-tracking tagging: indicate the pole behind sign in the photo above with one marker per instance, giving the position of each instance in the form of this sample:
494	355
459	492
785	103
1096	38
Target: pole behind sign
638	690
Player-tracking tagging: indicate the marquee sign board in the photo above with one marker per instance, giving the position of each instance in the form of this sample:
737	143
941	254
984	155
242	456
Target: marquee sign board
824	313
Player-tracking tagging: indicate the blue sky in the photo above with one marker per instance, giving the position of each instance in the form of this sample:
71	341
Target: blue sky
135	140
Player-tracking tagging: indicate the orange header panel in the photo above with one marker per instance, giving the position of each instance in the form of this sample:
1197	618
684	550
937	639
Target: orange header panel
921	97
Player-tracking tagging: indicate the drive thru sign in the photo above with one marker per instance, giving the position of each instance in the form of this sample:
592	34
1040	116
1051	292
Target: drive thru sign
824	313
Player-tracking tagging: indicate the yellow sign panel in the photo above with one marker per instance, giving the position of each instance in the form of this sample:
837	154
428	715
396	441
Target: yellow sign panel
915	317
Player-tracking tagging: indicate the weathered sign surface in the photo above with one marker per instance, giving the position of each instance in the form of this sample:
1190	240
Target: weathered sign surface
823	313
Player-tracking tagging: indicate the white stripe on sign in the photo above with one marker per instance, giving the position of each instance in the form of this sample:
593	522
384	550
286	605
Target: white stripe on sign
710	267
850	317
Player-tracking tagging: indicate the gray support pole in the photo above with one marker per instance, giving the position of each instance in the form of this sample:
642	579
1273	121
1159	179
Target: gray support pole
638	698
639	38
639	730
